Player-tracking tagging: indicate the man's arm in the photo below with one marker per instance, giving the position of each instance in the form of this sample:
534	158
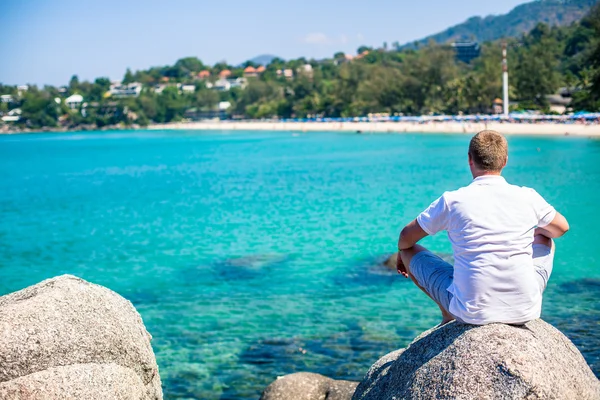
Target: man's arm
410	235
555	229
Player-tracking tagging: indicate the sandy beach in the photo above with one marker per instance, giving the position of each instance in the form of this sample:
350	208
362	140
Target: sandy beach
553	129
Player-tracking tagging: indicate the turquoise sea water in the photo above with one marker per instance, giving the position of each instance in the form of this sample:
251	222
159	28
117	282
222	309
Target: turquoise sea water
251	255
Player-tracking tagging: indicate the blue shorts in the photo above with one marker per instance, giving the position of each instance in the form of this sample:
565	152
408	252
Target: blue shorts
435	275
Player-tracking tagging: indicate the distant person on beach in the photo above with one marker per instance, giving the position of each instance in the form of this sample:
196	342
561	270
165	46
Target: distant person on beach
501	237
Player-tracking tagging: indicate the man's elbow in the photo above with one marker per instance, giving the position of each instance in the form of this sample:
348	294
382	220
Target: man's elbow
564	228
403	242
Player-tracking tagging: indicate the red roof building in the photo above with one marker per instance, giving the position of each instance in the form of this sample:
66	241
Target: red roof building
250	72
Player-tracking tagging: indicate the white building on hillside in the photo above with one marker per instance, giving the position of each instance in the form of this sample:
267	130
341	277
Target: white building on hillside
287	73
12	116
74	101
187	88
159	88
7	98
306	70
118	89
228	84
222	85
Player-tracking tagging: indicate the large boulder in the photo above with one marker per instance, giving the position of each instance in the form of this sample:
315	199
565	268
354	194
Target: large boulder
66	338
308	386
496	361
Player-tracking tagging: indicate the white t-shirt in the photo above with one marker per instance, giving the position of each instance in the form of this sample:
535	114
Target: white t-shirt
491	226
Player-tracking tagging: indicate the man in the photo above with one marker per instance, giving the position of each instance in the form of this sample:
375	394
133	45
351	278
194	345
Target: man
501	238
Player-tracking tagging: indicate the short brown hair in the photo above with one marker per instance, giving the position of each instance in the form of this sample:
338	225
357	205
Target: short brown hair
489	150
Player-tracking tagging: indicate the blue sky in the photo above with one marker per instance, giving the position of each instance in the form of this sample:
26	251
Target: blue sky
45	42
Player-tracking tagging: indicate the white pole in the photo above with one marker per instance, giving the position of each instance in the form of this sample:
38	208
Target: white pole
505	80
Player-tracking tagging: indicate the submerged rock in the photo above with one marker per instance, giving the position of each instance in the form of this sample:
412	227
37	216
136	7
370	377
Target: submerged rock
308	386
391	262
533	361
256	261
249	267
66	338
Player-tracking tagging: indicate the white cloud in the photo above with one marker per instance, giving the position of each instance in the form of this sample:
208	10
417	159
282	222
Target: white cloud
322	39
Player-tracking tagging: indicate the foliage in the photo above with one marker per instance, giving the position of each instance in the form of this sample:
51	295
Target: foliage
429	80
518	21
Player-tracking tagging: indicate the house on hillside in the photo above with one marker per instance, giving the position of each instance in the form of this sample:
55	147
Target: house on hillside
558	103
205	74
7	98
117	89
306	70
74	101
286	73
466	51
12	116
362	55
342	58
250	72
220	112
159	88
187	88
224	85
225	74
260	69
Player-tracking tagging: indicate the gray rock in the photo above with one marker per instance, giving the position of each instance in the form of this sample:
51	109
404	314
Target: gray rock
48	328
77	381
497	361
308	386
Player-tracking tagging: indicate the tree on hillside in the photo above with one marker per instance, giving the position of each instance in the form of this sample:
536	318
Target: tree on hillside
100	86
128	78
594	59
536	71
74	84
206	99
189	65
38	109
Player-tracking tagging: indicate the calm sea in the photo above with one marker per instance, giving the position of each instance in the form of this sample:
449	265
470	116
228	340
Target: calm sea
251	255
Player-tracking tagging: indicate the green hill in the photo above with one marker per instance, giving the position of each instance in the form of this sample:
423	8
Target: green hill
518	21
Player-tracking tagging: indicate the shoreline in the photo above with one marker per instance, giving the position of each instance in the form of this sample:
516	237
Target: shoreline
435	127
537	129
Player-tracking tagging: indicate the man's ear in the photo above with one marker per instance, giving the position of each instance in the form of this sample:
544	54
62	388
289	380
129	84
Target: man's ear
506	161
470	159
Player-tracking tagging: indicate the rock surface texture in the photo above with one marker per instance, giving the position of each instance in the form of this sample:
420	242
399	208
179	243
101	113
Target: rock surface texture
66	338
497	361
308	386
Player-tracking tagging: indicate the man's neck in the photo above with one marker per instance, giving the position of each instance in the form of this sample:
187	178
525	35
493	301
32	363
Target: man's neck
477	174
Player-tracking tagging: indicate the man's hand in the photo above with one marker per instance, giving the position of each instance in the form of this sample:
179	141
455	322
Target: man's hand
400	267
